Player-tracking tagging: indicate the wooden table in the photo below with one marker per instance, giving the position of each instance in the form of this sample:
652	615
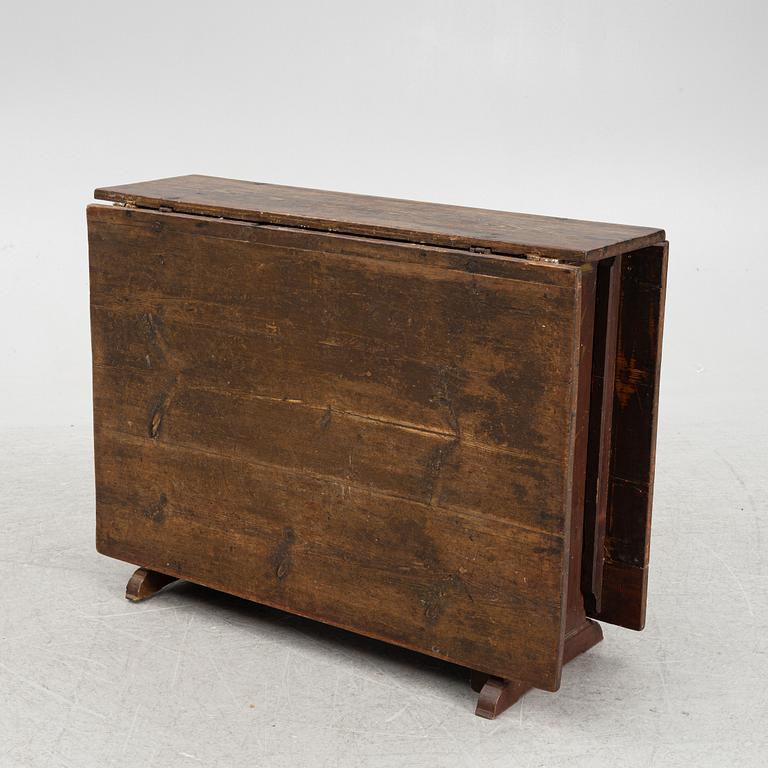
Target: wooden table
427	424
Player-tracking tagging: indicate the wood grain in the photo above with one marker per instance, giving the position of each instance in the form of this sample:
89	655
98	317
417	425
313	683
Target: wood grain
497	695
608	293
404	220
575	615
378	435
634	412
449	584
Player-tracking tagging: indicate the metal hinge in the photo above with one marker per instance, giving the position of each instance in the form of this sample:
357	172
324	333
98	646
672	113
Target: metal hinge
546	260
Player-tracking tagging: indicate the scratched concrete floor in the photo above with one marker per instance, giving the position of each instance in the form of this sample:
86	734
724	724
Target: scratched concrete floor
194	677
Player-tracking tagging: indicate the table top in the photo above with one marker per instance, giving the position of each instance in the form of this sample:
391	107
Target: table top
452	226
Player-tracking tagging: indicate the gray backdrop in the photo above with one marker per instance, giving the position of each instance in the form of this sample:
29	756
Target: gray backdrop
644	113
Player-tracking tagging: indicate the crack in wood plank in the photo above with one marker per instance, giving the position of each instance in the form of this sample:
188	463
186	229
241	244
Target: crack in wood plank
329	479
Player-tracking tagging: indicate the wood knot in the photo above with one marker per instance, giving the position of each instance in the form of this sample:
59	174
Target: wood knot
156	512
281	558
157	414
155	421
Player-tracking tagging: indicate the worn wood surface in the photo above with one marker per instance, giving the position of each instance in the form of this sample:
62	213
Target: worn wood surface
497	694
633	414
378	435
404	220
600	426
583	363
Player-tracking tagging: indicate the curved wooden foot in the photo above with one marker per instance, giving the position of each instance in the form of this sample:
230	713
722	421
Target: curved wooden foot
144	583
497	694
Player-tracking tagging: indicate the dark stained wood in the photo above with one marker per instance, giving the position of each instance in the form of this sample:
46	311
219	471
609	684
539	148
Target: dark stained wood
497	695
144	583
437	581
576	616
624	595
428	424
633	438
405	220
378	435
349	369
600	426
